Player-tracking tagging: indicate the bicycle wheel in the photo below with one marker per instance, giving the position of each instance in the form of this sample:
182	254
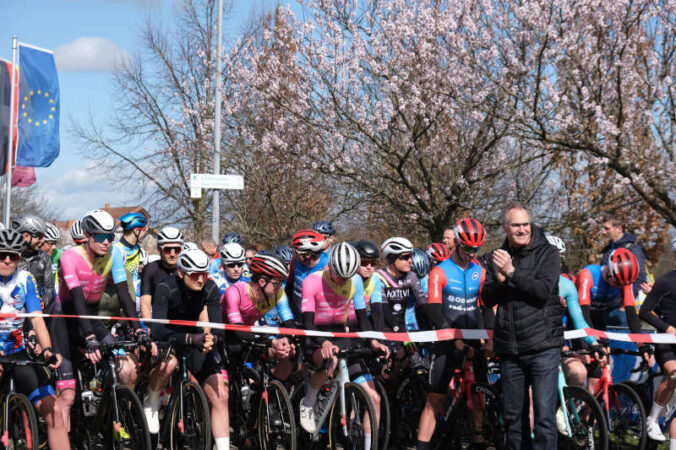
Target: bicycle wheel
22	424
407	405
191	428
586	419
384	422
492	425
626	425
129	430
347	432
306	440
276	422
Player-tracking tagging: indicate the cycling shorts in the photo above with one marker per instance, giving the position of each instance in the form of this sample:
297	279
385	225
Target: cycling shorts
445	360
31	381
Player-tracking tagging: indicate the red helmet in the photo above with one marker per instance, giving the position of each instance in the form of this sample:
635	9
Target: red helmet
308	241
470	232
438	252
268	265
623	266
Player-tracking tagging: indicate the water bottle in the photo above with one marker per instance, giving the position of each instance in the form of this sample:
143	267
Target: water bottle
246	396
88	403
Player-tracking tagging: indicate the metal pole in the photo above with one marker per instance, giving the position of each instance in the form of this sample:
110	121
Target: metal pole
11	133
217	135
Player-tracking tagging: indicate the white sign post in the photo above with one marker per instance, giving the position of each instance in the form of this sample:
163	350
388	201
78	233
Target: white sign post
199	181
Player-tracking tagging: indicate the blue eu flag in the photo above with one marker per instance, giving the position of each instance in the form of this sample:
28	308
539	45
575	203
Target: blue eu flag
38	122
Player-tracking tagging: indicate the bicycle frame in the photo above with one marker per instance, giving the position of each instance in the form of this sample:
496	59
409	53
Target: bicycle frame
602	386
561	386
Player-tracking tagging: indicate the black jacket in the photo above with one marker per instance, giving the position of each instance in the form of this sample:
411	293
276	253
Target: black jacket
529	317
40	265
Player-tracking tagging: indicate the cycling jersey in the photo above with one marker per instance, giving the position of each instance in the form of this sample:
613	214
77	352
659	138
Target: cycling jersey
594	290
78	271
662	300
224	282
39	265
395	295
18	294
152	275
215	266
458	290
297	273
126	259
568	292
330	301
238	307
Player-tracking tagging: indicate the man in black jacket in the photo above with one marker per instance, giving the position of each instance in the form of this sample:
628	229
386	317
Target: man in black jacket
523	280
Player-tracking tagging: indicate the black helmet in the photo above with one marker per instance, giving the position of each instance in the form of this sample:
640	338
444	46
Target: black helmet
367	249
324	227
231	236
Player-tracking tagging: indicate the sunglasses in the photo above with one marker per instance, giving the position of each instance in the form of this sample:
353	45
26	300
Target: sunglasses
470	249
405	257
195	276
276	284
101	238
170	250
308	255
37	235
12	256
233	265
368	262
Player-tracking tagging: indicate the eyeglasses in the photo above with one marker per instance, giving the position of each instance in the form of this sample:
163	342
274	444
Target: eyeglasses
37	235
101	238
405	257
11	255
170	250
368	262
195	276
470	249
233	265
308	255
276	284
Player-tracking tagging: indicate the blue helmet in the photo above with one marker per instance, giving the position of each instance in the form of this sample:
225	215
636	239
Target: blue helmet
284	252
231	236
421	263
133	220
324	227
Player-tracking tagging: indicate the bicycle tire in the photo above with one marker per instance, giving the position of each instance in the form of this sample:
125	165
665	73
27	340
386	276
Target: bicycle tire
493	428
627	427
194	430
407	405
305	439
132	430
586	419
384	422
22	423
275	402
356	400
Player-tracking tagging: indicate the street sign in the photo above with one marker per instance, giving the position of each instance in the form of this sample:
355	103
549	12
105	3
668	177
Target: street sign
199	181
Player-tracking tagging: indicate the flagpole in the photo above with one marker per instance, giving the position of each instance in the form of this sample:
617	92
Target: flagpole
12	90
215	216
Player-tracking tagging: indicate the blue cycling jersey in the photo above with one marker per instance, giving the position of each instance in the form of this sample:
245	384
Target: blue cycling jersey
595	291
459	292
300	271
223	281
568	292
18	294
126	259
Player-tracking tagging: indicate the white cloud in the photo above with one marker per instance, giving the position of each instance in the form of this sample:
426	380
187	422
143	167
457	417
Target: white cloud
89	53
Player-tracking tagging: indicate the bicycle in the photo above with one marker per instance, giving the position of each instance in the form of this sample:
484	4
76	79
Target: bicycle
106	413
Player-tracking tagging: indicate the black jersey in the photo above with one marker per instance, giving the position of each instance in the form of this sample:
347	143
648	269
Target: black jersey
152	275
661	300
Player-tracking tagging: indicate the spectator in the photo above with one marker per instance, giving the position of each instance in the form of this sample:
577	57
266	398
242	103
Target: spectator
449	238
522	279
613	229
250	252
210	247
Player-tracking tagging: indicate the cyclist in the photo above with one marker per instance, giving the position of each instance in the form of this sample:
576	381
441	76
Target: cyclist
421	265
215	265
561	247
232	267
368	255
126	257
84	271
454	301
19	294
285	253
394	285
190	295
659	310
52	237
76	233
310	257
326	229
169	242
438	252
326	299
250	252
34	260
263	300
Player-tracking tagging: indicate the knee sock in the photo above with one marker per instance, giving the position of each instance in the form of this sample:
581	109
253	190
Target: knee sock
154	398
222	443
655	412
672	444
367	441
310	397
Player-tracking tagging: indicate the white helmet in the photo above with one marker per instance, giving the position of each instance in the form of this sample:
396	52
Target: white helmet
232	252
396	246
187	245
52	233
143	257
169	235
558	243
76	231
193	261
98	221
344	260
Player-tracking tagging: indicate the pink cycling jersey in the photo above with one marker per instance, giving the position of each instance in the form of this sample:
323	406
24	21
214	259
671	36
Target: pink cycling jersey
329	301
77	271
237	306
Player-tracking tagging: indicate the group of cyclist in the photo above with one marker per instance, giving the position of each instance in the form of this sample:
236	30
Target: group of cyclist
316	283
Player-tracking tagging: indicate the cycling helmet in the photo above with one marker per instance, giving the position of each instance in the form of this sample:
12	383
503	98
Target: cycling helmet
133	220
232	253
193	261
344	260
673	245
396	246
232	237
98	221
269	266
11	241
189	246
438	252
143	257
324	227
421	263
169	235
29	224
470	232
308	241
558	243
284	252
76	231
264	252
623	266
367	249
52	233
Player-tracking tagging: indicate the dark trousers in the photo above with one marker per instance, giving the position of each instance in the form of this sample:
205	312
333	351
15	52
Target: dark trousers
540	372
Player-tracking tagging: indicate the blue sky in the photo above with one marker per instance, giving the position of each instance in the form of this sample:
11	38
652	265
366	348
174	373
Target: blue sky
87	36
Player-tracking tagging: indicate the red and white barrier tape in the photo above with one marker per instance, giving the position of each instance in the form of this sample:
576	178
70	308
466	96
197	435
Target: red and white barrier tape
413	336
